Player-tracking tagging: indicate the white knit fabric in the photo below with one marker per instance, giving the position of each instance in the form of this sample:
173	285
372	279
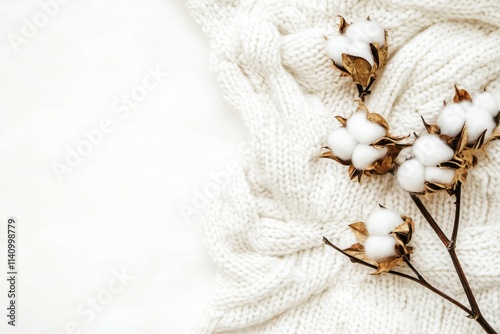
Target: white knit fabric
274	273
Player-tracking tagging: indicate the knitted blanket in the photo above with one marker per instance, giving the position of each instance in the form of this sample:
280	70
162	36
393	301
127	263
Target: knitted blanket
275	275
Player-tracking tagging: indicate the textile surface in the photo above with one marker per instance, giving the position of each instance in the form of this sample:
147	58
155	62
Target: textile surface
265	233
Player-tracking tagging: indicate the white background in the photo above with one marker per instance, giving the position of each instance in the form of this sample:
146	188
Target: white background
120	208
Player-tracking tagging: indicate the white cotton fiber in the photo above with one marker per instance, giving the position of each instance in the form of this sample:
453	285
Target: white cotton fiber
431	150
451	119
382	221
364	131
379	248
411	176
366	31
341	143
439	175
487	102
361	49
477	121
405	154
336	46
365	155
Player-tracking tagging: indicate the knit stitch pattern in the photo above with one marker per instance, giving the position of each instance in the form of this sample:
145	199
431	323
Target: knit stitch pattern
265	232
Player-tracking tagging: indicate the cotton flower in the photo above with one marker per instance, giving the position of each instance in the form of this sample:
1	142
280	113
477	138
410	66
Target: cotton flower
359	51
478	121
423	172
411	176
383	240
487	101
364	130
342	143
336	46
430	150
444	176
379	248
452	119
382	221
366	31
450	147
480	115
365	155
364	144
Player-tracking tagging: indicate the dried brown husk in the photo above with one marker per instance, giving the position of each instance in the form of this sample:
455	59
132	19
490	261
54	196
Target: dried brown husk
384	165
359	69
402	233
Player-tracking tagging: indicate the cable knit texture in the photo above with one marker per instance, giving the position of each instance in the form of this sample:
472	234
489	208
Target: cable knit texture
274	273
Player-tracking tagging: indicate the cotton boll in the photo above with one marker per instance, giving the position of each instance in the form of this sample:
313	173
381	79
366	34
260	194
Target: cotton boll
478	120
364	131
341	143
411	176
405	154
361	49
382	221
451	119
365	155
336	46
487	102
354	31
430	150
439	175
466	105
366	31
380	248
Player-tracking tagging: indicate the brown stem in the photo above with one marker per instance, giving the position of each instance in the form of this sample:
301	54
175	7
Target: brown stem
485	325
454	233
424	283
464	282
356	260
444	239
450	246
453	254
419	279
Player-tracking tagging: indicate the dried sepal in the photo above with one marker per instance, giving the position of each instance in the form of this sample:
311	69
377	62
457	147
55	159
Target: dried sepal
358	68
342	25
329	155
342	120
386	266
377	118
395	140
358	251
404	232
355	174
461	95
360	231
459	143
431	128
381	166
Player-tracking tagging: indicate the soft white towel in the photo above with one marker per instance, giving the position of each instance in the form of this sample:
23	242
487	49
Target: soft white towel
275	274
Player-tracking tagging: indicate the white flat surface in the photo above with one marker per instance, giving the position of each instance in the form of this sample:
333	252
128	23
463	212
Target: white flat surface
120	208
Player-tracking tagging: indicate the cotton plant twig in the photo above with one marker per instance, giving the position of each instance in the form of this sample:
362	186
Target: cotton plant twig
438	161
419	279
450	245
